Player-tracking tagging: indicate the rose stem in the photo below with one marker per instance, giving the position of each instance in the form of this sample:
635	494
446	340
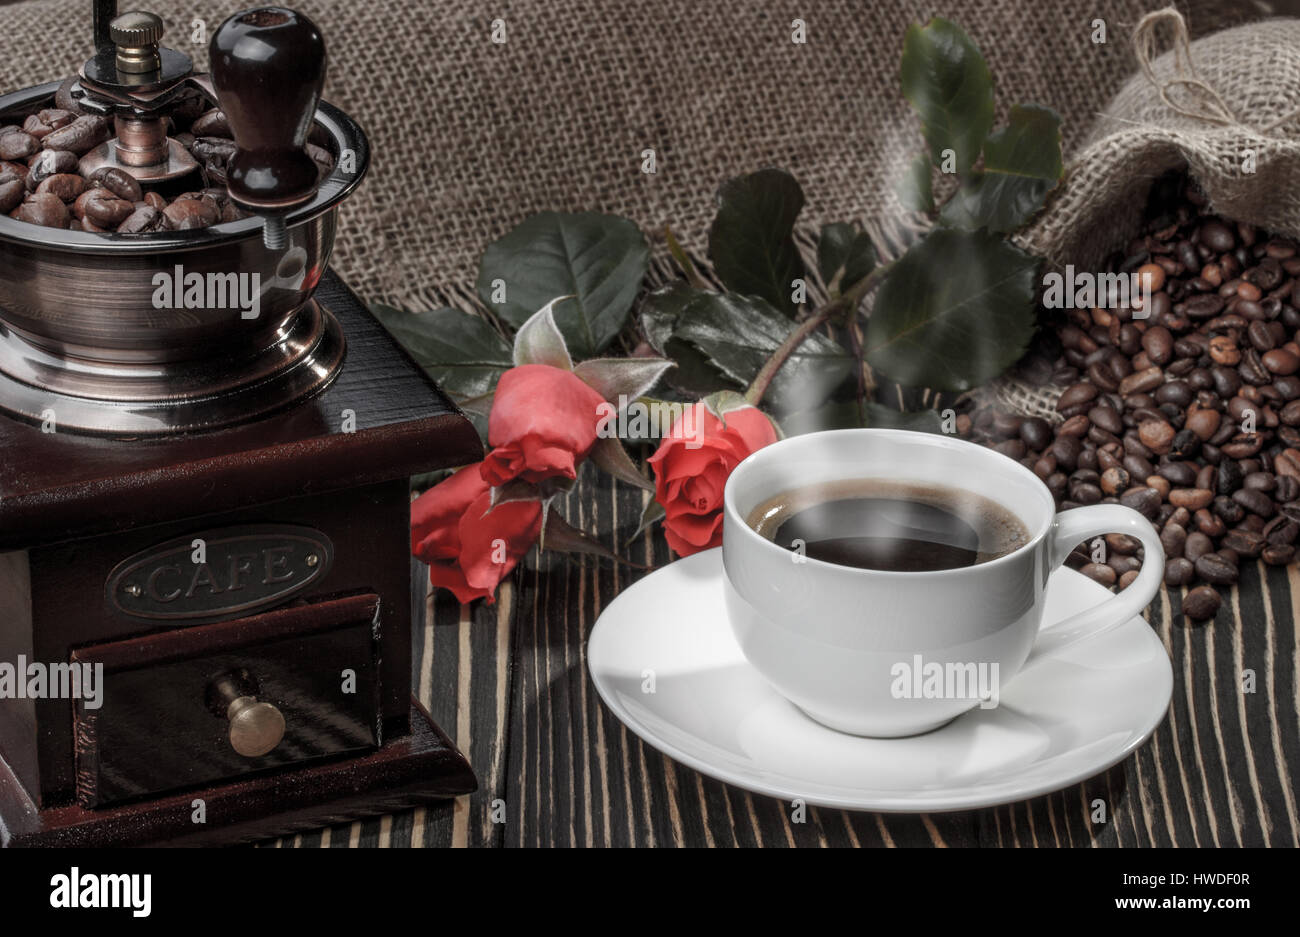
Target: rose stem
845	304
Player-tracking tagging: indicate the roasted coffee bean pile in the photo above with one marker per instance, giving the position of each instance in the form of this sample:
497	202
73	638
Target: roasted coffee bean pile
1190	416
40	181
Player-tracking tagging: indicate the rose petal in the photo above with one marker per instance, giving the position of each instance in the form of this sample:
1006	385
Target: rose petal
436	514
751	428
702	492
502	464
449	576
543	421
692	534
515	524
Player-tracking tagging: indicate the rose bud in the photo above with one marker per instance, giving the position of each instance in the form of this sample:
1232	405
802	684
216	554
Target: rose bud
468	547
691	468
543	423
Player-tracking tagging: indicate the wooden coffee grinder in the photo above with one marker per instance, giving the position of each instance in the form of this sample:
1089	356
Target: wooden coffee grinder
209	509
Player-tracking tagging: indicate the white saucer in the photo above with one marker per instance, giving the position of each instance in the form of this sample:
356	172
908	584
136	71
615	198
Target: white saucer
1068	718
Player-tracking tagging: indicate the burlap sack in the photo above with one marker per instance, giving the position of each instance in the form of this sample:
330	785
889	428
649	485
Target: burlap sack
471	136
1210	106
1206	105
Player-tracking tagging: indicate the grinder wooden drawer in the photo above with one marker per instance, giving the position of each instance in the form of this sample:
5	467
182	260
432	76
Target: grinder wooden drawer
166	721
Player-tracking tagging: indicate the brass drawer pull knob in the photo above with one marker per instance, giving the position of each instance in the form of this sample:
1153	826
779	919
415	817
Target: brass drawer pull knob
255	727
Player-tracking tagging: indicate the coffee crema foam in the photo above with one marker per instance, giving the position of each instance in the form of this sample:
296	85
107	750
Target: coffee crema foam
997	529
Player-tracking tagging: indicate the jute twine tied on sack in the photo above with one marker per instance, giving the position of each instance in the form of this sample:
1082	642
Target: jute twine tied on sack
1199	106
1207	104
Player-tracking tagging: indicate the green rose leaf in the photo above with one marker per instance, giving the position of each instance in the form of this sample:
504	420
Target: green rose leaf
957	309
739	333
915	189
694	375
461	352
599	260
844	256
1022	163
660	311
751	241
947	82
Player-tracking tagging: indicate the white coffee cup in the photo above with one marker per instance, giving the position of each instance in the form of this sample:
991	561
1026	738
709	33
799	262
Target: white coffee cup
844	643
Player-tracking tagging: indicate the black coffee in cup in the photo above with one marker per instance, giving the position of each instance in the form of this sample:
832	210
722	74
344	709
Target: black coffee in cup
889	525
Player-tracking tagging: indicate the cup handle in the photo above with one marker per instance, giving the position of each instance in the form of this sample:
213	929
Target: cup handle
1075	526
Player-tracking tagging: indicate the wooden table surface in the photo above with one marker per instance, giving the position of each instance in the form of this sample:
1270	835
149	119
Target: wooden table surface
508	682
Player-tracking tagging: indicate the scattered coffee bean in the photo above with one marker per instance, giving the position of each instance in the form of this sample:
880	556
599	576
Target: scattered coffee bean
1179	571
1077	425
1191	498
1257	502
1100	572
1144	500
1158	343
1242	542
1217	236
1201	603
1142	381
1075	395
1156	435
1173	538
1036	433
1213	568
1280	361
1114	480
1278	554
1123	544
1204	423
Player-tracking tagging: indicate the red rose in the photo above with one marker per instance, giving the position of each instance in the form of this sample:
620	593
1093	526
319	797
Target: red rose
691	468
470	549
543	423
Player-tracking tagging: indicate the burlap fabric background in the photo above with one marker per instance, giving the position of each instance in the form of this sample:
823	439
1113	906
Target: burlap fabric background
471	136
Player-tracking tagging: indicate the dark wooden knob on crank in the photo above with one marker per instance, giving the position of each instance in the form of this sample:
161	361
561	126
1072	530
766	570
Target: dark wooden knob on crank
268	68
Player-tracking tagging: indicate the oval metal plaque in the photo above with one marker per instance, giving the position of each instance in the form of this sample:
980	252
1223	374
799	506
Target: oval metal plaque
220	574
